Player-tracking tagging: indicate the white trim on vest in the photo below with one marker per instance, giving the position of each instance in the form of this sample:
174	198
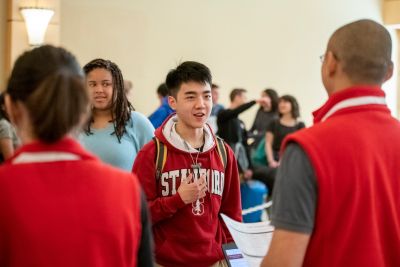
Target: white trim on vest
31	157
356	101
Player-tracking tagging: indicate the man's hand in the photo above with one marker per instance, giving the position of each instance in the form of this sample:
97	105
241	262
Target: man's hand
247	174
273	164
190	190
264	101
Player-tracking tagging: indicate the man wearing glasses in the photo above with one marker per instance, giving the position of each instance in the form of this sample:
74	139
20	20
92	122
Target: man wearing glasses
336	200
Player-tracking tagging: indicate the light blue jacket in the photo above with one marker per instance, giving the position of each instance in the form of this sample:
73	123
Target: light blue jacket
104	144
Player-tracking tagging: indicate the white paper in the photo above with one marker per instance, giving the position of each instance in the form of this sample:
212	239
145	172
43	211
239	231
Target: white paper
253	239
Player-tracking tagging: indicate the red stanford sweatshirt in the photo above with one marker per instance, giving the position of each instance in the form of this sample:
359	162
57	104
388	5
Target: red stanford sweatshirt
188	235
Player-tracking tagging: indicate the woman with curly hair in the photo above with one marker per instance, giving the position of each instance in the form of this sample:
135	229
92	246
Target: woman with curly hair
114	132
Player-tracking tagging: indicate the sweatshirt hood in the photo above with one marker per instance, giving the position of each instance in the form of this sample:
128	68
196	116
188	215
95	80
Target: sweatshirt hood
168	135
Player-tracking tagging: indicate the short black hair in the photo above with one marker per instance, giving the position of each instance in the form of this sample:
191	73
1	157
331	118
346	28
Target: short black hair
188	71
235	92
214	86
295	105
162	90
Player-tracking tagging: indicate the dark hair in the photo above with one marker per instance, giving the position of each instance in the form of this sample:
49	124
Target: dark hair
364	47
49	82
120	106
293	102
235	92
214	86
189	71
273	95
162	90
3	113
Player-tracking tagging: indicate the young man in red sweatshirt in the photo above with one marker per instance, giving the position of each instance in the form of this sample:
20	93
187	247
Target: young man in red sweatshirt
336	201
195	185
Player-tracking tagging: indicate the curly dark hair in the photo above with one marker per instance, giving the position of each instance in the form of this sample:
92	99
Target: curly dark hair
121	107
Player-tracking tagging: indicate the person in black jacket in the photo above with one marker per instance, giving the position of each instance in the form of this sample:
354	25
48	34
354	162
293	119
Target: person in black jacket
265	115
233	130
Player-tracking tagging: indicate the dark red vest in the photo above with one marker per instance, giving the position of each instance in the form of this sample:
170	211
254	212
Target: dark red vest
60	206
354	148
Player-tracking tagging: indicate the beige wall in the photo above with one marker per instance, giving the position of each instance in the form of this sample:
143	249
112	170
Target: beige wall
391	17
16	28
252	44
391	14
3	20
13	34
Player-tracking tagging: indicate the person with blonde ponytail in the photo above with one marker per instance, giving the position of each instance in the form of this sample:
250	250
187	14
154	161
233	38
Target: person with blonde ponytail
59	205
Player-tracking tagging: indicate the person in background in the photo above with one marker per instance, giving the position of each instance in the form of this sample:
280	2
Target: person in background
128	87
114	132
187	196
289	112
278	129
59	205
233	130
336	200
164	110
267	113
216	108
8	137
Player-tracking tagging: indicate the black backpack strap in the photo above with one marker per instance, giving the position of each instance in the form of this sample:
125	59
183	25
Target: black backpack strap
222	150
161	156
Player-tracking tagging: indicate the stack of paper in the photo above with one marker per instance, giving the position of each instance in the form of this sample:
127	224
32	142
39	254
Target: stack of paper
253	239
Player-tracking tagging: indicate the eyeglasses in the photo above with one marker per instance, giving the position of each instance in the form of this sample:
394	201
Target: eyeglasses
322	57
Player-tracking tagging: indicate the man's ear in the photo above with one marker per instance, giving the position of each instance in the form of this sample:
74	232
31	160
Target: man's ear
172	102
389	72
331	63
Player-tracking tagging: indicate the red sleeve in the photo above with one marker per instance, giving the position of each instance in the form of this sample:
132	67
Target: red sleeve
231	202
144	167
